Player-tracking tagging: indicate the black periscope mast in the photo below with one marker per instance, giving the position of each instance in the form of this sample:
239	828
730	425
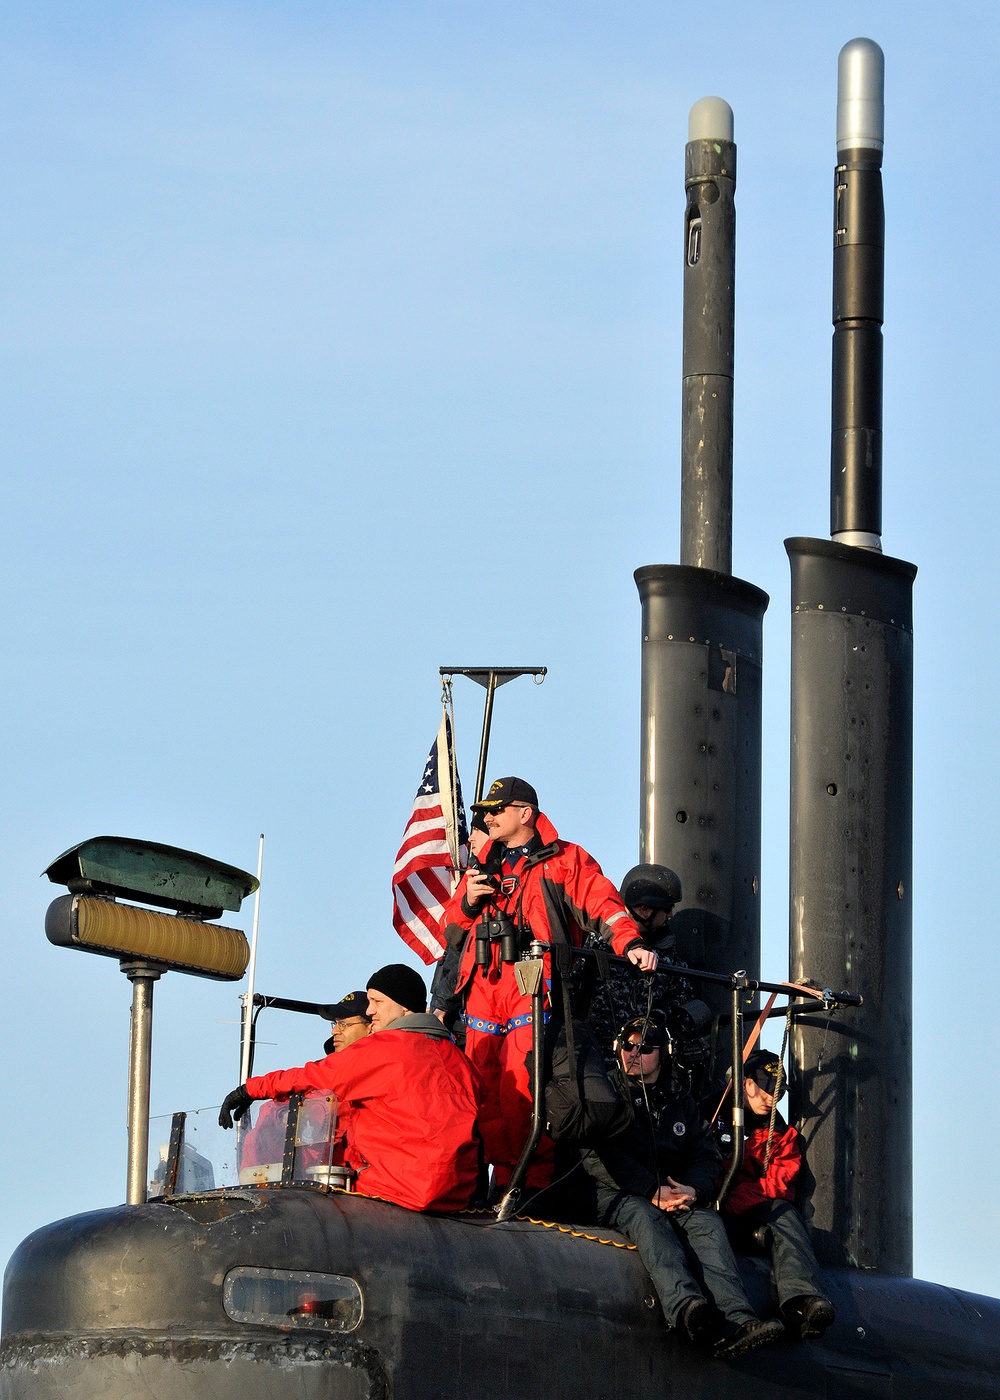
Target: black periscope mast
291	1287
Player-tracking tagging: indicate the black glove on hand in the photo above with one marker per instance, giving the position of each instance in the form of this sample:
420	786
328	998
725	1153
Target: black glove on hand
234	1106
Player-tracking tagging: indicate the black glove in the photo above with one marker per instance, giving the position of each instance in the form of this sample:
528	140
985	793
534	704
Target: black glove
234	1106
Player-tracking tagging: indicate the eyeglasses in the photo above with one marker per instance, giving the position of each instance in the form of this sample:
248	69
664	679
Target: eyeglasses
350	1021
642	1049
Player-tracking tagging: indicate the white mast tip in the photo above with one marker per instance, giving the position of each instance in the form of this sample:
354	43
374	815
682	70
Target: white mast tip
860	96
710	119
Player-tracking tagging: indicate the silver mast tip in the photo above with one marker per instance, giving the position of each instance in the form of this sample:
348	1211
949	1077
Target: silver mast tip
710	119
861	96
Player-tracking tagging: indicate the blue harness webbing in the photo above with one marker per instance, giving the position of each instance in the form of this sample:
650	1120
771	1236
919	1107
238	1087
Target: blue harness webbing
501	1027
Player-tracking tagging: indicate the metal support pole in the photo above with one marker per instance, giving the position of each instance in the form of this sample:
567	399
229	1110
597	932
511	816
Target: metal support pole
739	987
247	998
142	975
484	743
533	971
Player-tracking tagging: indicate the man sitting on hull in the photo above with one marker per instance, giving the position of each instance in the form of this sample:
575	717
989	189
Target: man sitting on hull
409	1096
547	889
655	1183
760	1206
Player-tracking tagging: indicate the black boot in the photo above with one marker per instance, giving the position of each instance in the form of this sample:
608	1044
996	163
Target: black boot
809	1316
698	1322
740	1338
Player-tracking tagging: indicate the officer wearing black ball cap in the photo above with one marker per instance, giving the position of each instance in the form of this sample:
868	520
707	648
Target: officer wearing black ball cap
349	1021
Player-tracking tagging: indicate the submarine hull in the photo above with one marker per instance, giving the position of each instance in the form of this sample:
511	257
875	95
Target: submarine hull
129	1301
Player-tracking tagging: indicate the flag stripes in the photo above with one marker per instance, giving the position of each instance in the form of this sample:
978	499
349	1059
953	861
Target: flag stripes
432	850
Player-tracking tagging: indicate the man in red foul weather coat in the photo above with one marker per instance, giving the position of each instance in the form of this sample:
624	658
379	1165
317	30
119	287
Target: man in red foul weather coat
553	891
409	1096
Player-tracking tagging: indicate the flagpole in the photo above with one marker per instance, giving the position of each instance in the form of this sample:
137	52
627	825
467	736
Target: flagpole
454	825
247	997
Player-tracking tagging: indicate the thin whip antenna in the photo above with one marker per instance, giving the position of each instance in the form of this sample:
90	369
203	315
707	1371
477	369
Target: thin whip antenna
248	994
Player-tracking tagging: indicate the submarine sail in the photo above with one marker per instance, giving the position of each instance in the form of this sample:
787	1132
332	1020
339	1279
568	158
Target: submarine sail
286	1286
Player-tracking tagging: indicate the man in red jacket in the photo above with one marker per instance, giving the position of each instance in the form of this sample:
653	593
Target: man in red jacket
548	889
760	1206
409	1096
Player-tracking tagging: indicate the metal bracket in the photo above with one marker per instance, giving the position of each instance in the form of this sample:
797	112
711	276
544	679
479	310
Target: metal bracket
501	674
174	1154
291	1134
529	975
491	678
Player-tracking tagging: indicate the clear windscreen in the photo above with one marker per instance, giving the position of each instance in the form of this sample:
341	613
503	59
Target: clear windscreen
190	1153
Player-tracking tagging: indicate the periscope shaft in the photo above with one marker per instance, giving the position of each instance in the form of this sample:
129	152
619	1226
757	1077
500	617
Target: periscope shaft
701	627
709	306
858	279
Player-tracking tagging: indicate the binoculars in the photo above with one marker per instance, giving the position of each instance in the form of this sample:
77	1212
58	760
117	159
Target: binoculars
496	928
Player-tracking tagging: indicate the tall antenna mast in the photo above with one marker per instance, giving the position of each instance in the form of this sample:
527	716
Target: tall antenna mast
246	1027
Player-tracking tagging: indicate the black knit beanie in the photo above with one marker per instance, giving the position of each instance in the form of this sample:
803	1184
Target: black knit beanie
400	983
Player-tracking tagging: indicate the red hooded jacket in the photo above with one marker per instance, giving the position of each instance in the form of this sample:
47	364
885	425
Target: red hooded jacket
753	1185
410	1098
563	894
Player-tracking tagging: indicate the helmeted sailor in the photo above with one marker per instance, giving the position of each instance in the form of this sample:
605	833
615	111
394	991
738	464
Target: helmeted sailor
650	893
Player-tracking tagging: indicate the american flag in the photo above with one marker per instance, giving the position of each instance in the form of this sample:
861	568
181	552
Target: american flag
433	849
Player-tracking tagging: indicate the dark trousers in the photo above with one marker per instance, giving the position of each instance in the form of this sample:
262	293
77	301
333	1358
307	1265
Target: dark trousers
686	1254
782	1231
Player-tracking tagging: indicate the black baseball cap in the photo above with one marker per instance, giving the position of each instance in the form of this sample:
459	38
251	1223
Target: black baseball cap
354	1004
504	791
764	1068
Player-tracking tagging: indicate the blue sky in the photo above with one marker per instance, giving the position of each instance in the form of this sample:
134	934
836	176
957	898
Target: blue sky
338	342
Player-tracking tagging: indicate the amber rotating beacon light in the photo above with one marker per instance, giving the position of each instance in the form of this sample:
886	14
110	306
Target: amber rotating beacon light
102	872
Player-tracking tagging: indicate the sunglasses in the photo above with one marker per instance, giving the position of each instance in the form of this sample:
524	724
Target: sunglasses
642	1049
